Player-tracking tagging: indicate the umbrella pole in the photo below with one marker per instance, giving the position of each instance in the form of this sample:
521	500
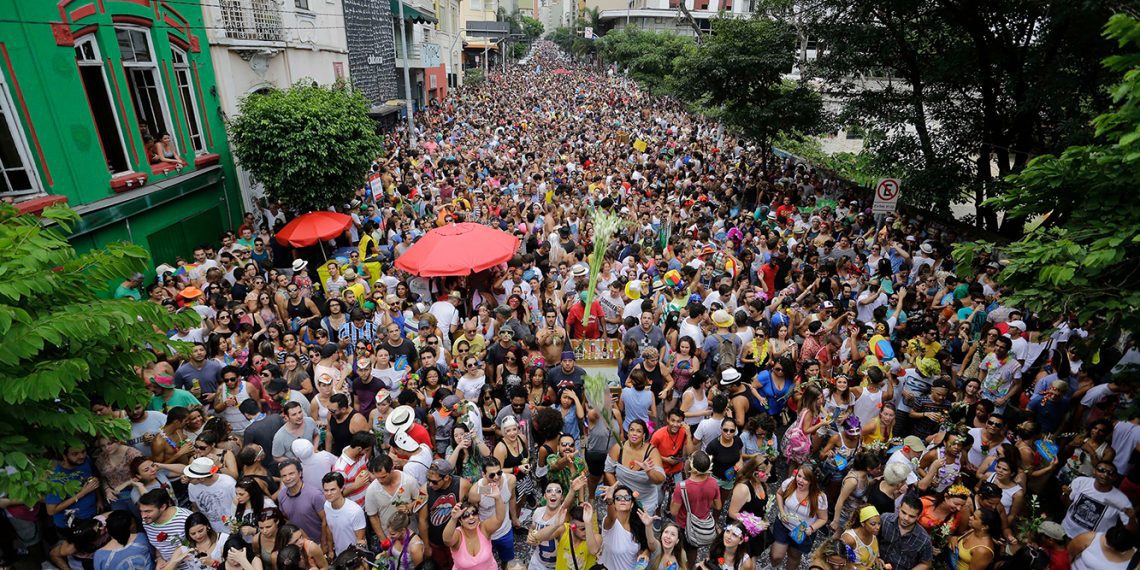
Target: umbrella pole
324	256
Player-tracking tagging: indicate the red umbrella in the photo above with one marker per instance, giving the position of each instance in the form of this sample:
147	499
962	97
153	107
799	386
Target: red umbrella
458	249
308	229
561	71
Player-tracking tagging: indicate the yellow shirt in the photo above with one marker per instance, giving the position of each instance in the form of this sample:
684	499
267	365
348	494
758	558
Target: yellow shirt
877	434
476	345
564	561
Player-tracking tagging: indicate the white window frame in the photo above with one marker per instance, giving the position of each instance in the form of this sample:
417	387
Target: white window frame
181	61
152	65
16	130
98	62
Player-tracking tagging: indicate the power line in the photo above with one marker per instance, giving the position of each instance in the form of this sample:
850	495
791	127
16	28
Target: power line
167	27
298	11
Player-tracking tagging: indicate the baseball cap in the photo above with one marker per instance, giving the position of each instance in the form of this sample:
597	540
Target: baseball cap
914	443
448	404
404	442
442	467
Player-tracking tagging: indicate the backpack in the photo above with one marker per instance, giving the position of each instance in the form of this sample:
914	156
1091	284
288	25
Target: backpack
726	353
699	532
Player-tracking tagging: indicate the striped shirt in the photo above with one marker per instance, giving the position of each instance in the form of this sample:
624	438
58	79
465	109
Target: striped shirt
164	538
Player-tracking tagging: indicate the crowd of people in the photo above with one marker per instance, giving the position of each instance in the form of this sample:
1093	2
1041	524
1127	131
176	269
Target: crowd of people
800	383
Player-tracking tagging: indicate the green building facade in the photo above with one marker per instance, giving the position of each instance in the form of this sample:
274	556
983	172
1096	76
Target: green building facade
86	88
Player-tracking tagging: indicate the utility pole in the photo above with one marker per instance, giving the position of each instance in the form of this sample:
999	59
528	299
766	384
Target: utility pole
407	80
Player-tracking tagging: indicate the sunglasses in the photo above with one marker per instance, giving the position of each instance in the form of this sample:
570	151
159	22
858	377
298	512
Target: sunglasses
434	481
992	423
557	490
623	498
201	447
495	475
727	431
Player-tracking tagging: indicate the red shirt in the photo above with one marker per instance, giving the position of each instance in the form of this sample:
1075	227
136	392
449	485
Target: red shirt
669	445
767	274
420	434
701	494
574	326
1058	558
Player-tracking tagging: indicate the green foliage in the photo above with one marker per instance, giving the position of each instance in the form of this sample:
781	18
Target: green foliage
64	346
648	56
310	146
531	27
571	43
473	76
737	73
859	168
1082	259
961	94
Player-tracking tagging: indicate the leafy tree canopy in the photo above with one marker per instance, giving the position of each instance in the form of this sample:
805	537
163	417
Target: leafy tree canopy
64	347
648	56
961	93
532	27
1082	259
309	145
737	73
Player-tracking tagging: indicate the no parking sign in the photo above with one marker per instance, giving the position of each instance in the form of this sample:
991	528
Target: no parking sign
887	193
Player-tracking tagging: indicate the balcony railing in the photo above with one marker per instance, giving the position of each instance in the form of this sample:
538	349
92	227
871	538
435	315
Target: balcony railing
414	50
251	20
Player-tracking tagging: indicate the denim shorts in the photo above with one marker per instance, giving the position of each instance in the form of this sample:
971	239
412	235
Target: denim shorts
784	536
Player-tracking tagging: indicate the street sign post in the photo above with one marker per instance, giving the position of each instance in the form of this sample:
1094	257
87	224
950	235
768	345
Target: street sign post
887	193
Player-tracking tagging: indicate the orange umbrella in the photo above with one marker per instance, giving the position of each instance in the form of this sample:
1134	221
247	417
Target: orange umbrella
458	249
308	229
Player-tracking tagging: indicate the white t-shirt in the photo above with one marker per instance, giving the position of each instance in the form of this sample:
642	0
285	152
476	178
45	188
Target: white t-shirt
975	455
446	315
216	501
378	502
866	313
899	457
471	386
1095	394
152	424
417	465
707	430
632	309
343	524
1092	509
1125	438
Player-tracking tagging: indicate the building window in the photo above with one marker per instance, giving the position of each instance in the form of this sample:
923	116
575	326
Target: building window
18	177
107	124
144	85
189	103
302	4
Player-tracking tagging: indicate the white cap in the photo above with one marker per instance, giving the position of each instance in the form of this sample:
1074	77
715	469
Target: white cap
1019	324
404	442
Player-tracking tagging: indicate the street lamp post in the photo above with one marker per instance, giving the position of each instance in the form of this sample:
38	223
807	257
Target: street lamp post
407	80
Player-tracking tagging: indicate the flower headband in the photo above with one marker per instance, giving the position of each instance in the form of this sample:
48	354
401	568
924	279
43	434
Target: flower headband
958	490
